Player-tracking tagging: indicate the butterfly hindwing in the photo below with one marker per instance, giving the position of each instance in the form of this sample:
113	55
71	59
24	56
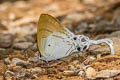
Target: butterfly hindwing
56	48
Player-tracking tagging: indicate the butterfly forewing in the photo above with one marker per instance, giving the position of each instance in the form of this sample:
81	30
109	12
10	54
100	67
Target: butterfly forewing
46	26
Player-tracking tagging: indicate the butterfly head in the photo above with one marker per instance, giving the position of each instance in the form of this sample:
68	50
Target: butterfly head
81	42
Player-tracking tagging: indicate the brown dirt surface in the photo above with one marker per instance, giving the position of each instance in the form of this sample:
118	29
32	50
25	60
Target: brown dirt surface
107	62
19	54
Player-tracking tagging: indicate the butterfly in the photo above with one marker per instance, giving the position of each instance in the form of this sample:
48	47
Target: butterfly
55	41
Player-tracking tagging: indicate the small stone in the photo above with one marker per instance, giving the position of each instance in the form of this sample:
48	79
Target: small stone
90	73
24	30
71	67
107	73
115	34
30	38
6	40
20	39
5	52
36	70
17	60
70	58
7	60
67	59
33	59
2	53
9	75
17	68
75	62
51	71
21	73
59	77
91	58
81	73
78	66
12	16
2	50
22	45
24	65
35	47
69	73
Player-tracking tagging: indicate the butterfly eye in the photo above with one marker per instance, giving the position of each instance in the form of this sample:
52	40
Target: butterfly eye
75	38
78	48
49	45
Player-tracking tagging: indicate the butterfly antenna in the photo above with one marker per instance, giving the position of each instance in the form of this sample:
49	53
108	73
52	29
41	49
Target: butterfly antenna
69	32
109	42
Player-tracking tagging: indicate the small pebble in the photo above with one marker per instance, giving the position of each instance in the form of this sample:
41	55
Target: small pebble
58	77
35	47
36	70
21	73
69	73
20	39
5	52
9	75
6	40
33	59
30	38
90	73
7	60
17	60
115	34
22	45
2	53
107	73
81	73
71	67
91	58
16	68
75	62
51	71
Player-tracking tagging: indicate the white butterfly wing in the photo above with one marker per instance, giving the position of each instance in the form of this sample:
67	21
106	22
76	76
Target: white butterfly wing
52	47
46	26
56	48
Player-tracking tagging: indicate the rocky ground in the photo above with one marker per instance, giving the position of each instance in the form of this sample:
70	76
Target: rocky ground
19	55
